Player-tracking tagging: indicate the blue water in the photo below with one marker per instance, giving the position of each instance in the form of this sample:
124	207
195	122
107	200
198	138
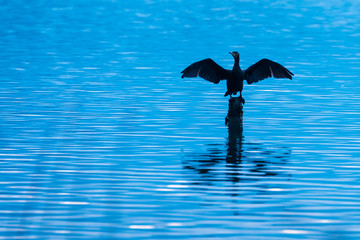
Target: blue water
101	138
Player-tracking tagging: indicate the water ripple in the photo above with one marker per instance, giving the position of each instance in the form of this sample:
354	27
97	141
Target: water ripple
101	138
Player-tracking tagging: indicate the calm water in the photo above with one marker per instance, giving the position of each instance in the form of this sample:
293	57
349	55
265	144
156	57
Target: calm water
101	138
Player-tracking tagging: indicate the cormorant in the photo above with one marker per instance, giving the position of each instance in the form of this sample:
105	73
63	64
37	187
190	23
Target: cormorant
211	71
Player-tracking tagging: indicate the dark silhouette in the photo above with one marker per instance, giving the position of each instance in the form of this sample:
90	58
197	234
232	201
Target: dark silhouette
235	111
244	161
237	160
211	71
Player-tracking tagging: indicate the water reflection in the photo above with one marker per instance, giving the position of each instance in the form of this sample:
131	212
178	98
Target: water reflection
238	161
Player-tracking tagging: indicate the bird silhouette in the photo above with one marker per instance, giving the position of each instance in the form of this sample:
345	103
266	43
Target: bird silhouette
212	72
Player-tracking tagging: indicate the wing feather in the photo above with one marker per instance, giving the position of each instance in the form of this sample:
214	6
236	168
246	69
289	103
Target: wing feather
206	69
266	68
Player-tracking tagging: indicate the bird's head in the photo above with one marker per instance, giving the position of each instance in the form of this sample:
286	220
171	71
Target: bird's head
235	55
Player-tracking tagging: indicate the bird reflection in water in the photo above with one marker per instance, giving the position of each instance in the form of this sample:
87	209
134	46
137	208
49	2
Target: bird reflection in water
239	161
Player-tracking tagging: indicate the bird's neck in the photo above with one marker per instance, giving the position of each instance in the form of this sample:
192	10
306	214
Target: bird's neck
236	64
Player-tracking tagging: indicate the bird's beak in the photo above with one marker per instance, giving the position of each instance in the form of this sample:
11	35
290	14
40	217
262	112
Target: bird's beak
231	53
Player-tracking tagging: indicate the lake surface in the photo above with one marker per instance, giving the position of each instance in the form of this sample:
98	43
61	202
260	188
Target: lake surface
101	138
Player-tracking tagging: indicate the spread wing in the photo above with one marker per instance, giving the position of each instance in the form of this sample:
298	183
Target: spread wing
207	69
266	68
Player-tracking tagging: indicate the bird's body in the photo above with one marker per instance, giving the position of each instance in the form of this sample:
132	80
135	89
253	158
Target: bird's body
233	83
211	71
